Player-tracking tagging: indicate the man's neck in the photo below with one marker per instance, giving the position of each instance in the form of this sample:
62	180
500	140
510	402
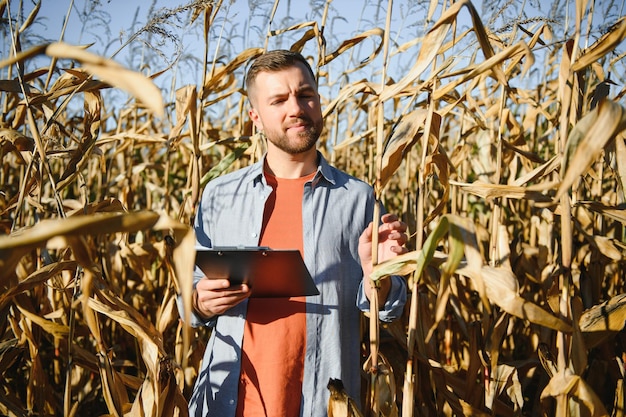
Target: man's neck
283	165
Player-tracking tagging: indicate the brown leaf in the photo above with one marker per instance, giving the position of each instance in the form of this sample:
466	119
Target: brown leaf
135	83
403	136
502	290
604	320
18	140
352	42
222	77
605	45
608	211
55	329
493	191
575	390
14	246
587	140
38	277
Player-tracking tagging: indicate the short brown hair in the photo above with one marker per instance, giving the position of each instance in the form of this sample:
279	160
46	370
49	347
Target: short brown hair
273	61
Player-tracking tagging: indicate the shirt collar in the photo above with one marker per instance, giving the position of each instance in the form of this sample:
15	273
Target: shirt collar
324	170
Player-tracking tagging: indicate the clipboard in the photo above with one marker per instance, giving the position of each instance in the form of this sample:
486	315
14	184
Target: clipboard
268	272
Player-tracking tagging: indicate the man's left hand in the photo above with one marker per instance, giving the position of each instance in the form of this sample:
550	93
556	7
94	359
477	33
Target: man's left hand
391	239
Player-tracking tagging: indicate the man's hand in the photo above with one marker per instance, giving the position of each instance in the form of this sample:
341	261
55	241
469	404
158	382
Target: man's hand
391	239
213	297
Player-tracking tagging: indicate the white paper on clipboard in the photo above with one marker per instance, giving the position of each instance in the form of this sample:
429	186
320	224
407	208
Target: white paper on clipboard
268	272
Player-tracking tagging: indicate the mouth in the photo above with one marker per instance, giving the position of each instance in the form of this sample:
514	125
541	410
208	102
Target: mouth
298	127
300	124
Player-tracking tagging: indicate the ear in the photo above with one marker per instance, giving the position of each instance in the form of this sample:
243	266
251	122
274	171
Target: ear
256	119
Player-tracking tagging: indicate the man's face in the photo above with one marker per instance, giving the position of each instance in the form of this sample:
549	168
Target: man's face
286	107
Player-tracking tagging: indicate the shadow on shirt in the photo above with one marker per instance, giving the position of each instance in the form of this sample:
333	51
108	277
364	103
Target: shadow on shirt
267	310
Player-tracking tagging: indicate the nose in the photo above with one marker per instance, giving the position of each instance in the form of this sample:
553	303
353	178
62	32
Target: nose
295	106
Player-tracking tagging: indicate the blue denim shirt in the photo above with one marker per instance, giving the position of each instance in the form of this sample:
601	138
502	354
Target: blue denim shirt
336	208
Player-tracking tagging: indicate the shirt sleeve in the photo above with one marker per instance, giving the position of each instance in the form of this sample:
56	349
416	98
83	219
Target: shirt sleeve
394	305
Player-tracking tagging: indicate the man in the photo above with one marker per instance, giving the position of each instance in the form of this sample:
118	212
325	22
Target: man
274	356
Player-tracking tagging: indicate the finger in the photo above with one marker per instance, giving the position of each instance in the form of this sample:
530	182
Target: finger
217	302
389	218
366	236
241	288
399	249
212	284
234	290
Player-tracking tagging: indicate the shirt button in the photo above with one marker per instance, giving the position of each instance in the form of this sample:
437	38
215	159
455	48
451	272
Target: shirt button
231	402
253	234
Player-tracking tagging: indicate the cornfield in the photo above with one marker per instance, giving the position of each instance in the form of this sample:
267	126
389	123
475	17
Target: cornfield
502	147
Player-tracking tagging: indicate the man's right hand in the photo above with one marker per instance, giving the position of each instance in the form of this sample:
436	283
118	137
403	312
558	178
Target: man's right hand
213	297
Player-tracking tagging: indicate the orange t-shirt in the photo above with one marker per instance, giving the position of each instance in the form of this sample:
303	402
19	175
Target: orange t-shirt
274	339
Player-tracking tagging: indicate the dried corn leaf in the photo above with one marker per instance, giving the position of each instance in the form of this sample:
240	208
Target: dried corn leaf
183	258
587	140
14	246
574	389
462	241
448	268
506	379
352	42
31	17
114	392
493	191
606	246
18	140
403	136
443	165
307	36
348	93
9	351
222	78
99	223
186	98
502	290
10	402
40	276
168	312
134	323
608	211
24	55
80	156
605	45
55	329
538	173
135	83
160	397
604	320
493	63
618	409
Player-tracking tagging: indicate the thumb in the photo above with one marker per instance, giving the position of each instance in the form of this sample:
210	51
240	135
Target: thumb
366	236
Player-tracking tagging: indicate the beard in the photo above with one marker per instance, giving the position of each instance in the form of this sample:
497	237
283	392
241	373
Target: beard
296	143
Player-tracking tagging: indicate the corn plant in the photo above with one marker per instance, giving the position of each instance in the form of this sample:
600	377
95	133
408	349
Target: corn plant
502	148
